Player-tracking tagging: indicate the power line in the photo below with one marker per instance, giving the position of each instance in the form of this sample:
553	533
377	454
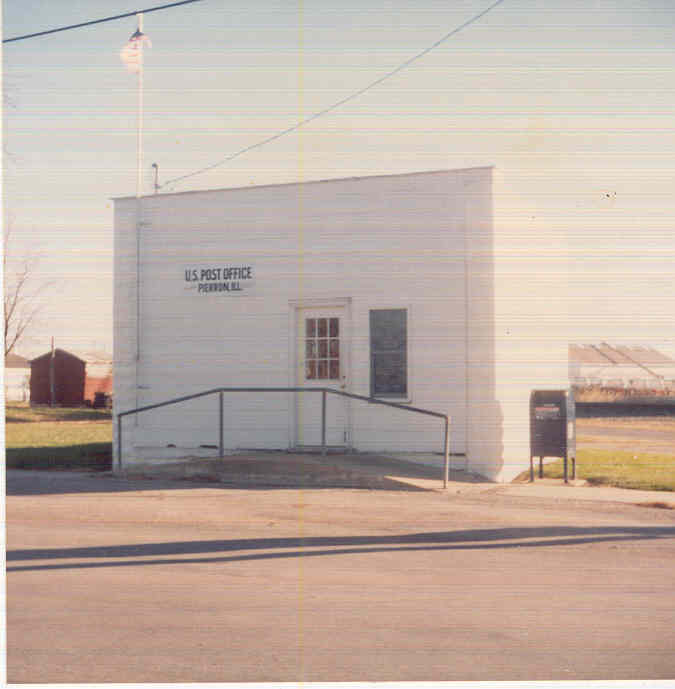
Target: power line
337	104
98	21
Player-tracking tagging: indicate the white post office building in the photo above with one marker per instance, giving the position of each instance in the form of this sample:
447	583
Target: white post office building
405	288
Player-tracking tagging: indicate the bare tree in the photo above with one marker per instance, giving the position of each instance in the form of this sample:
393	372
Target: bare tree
21	293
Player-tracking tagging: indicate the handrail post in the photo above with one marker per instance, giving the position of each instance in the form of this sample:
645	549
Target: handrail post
221	449
323	423
447	452
119	442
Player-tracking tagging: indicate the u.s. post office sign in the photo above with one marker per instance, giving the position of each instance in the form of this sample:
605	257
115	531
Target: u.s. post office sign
224	278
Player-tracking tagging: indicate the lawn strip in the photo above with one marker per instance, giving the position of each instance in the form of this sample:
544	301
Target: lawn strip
621	469
59	445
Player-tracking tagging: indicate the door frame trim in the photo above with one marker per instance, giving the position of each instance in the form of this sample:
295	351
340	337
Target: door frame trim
295	306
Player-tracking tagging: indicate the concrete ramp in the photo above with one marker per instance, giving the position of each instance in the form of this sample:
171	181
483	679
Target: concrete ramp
279	469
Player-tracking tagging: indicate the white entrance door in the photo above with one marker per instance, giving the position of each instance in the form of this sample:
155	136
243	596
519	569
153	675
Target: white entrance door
321	363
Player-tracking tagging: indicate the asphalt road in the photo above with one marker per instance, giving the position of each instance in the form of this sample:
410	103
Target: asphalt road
118	581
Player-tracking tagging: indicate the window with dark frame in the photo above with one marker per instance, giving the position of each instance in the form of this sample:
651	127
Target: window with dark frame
388	353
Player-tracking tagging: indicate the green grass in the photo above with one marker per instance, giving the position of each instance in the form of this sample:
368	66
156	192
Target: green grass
641	471
67	439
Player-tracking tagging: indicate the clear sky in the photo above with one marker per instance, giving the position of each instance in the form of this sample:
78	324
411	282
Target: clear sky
574	101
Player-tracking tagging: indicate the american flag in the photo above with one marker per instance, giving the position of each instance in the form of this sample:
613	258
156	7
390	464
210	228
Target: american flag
132	53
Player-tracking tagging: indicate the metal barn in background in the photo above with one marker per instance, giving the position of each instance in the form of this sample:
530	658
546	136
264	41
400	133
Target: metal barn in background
620	366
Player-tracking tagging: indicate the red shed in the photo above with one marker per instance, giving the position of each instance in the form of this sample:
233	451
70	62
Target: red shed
68	373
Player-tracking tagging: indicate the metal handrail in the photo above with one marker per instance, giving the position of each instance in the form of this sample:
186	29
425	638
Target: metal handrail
323	391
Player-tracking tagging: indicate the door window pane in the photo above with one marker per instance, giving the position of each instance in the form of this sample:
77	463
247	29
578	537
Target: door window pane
322	327
322	353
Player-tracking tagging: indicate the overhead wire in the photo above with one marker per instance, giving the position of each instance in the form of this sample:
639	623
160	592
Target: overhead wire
98	21
297	125
337	104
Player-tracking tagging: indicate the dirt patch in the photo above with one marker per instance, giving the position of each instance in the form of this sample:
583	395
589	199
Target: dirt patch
631	434
658	423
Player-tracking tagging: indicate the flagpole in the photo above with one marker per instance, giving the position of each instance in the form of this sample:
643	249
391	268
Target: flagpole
139	171
132	56
139	191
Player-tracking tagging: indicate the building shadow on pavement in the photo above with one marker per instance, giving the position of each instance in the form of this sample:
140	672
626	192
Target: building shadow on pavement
240	549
